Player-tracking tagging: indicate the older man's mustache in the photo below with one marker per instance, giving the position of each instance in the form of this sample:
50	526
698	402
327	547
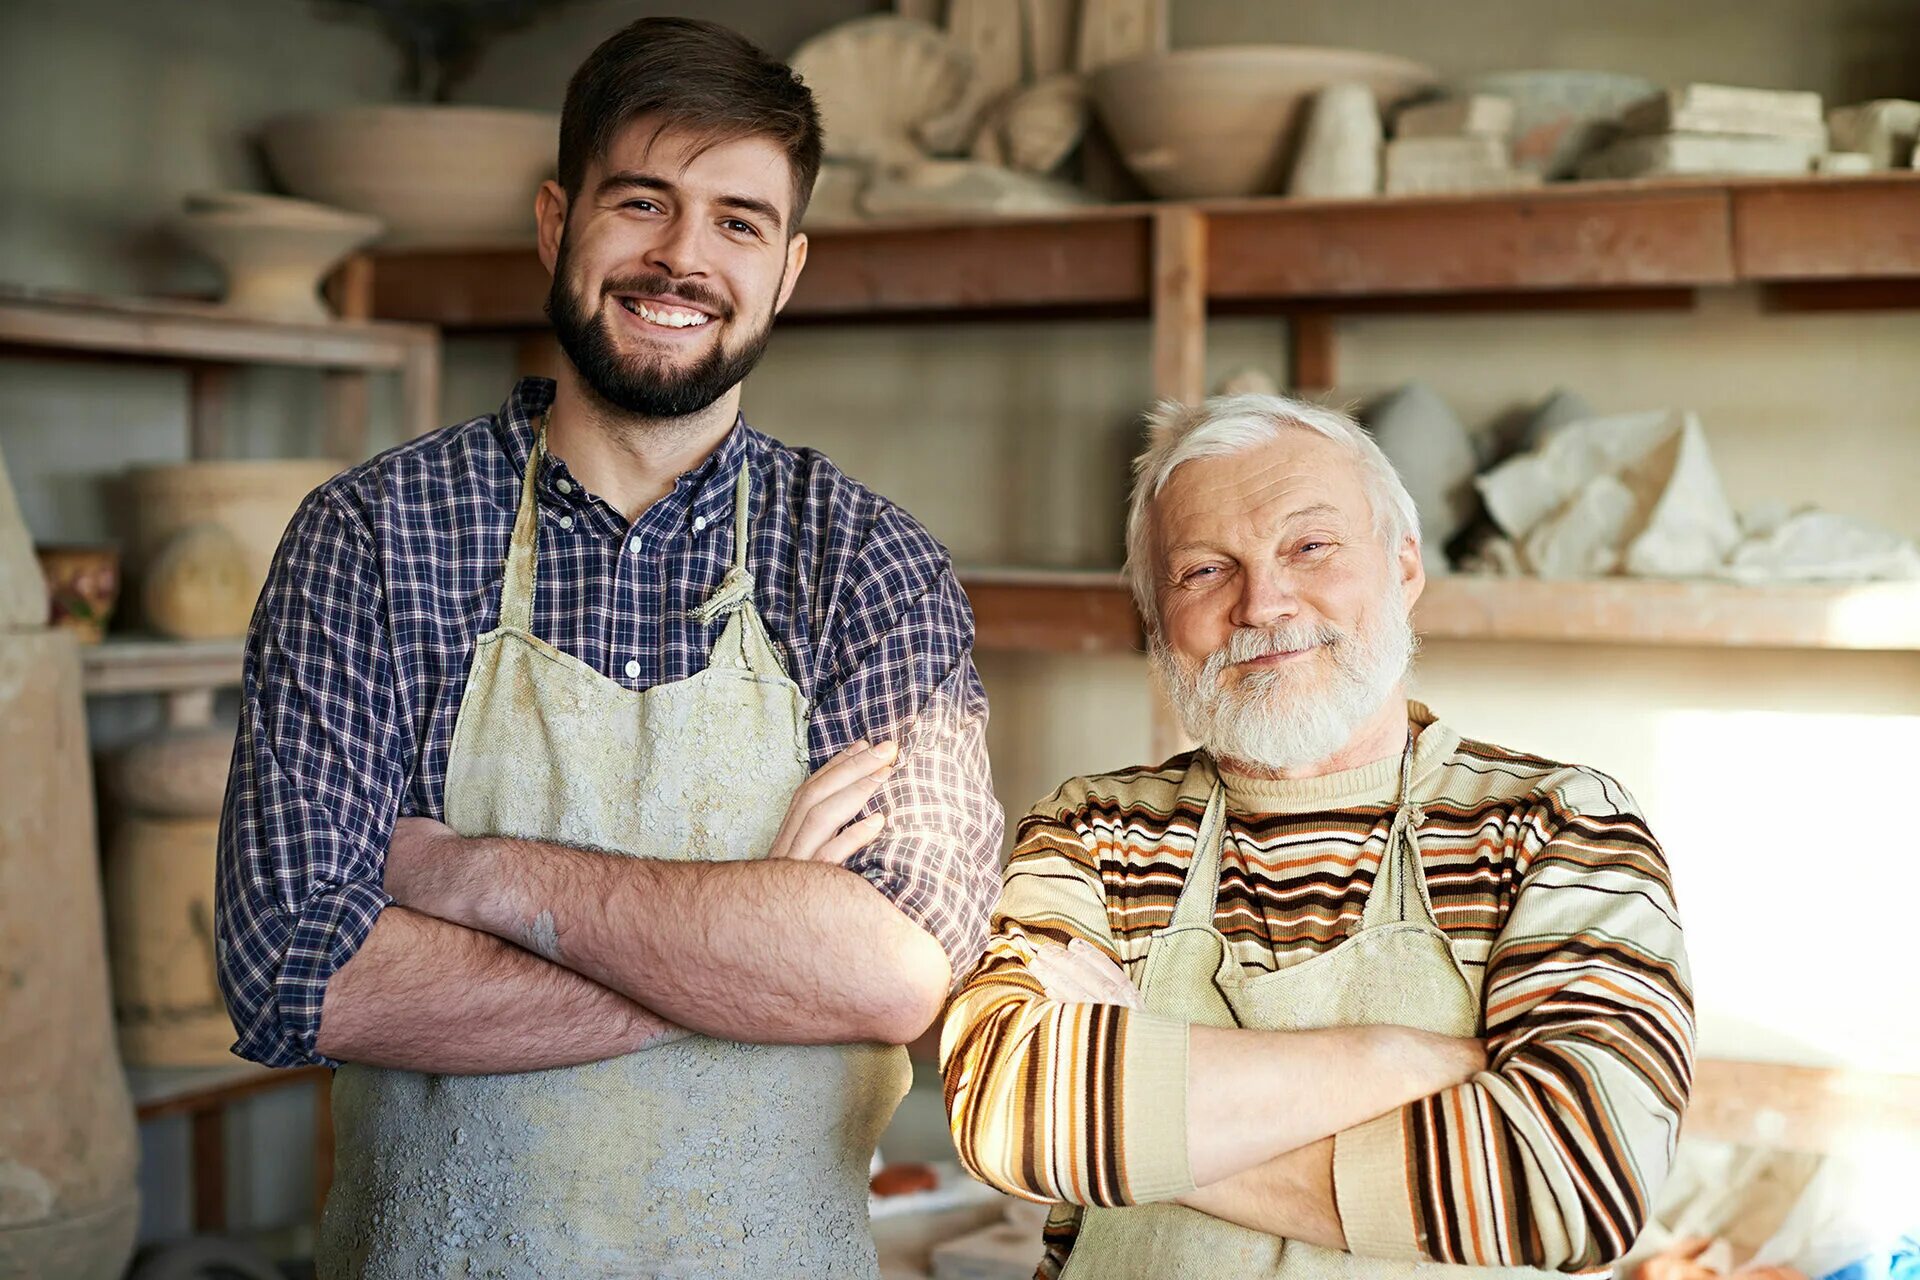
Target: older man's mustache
1248	643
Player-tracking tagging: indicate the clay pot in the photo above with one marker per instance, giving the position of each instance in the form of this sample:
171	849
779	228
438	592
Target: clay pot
274	252
1198	123
199	586
250	502
1559	116
159	886
69	1206
83	584
435	175
182	774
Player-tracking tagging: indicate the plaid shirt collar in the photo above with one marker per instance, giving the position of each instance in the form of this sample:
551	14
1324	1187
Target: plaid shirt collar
701	497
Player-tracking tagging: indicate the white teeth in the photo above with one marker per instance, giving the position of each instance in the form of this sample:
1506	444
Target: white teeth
674	319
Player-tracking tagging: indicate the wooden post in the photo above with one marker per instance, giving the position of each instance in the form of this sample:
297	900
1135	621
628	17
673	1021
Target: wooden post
1179	367
208	1128
420	389
1180	305
345	391
207	421
1312	364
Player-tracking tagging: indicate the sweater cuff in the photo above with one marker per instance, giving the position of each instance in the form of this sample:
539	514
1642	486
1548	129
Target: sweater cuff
1372	1192
1151	1129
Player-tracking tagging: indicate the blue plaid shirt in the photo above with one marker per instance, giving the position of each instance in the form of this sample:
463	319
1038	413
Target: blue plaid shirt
359	649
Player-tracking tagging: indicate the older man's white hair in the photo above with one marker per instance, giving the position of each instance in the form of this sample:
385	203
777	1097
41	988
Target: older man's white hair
1222	426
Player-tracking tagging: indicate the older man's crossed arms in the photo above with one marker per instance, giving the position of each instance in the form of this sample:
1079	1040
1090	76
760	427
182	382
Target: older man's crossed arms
1332	858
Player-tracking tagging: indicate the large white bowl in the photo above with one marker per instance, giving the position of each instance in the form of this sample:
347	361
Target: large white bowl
1197	123
435	175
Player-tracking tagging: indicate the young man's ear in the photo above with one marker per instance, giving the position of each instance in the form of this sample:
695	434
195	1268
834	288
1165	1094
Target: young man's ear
550	221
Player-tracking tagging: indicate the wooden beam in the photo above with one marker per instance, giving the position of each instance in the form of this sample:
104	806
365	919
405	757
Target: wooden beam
350	288
1040	612
1829	229
348	403
420	391
1817	1109
1098	260
1409	246
1180	305
152	665
159	330
1875	616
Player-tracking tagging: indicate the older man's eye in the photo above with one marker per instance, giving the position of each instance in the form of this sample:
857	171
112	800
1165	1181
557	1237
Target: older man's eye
1194	575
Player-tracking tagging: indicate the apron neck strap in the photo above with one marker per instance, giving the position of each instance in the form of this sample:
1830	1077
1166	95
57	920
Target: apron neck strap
736	588
1400	890
1201	892
516	590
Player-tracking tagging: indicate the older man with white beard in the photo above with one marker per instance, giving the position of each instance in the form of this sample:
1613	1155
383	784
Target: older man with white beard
1340	993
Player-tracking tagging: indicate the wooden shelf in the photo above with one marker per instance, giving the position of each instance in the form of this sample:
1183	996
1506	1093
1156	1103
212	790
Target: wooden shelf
164	330
153	665
167	1091
1601	245
1883	616
208	339
1085	612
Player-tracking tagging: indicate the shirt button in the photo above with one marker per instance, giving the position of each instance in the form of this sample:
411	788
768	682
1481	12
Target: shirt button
633	668
564	485
633	545
699	523
566	522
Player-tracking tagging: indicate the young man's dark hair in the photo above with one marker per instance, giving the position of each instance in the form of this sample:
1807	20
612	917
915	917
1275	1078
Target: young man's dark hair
694	75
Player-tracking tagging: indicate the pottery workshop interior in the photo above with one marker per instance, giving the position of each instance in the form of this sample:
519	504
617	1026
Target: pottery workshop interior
634	638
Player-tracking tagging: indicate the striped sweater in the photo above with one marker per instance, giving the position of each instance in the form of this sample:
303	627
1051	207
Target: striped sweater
1555	898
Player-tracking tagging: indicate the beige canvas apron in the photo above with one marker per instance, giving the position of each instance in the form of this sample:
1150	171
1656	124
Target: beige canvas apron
1397	968
700	1157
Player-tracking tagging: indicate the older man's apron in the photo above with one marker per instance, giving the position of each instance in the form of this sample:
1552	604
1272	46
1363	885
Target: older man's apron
1397	969
699	1157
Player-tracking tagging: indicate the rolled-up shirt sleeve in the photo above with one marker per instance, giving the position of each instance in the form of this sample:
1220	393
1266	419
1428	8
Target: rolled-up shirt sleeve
902	671
318	769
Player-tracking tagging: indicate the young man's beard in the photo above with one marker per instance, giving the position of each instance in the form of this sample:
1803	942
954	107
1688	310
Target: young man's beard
649	388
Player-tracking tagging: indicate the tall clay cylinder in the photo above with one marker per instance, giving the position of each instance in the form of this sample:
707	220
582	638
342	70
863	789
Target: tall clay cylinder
159	875
69	1205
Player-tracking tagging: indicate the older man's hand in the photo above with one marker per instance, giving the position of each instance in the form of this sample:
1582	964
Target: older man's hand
1080	973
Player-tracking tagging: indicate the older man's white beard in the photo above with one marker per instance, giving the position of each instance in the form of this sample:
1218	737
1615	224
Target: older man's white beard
1280	718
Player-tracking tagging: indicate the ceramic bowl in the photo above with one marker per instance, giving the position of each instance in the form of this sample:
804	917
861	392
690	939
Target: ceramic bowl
274	258
1198	123
435	175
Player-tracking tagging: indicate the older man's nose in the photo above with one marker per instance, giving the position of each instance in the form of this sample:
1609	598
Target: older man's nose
1267	596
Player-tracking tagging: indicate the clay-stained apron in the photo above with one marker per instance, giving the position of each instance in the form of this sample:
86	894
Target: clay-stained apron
1396	969
700	1157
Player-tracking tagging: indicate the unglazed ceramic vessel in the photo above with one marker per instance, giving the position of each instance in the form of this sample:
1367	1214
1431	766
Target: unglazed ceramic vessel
435	175
1199	123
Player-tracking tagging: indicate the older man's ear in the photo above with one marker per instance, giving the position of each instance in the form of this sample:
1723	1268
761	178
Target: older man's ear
1413	571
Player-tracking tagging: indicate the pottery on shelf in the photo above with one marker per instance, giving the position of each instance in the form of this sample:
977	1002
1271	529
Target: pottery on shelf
249	501
1433	454
878	80
274	252
435	175
83	583
1559	116
1198	123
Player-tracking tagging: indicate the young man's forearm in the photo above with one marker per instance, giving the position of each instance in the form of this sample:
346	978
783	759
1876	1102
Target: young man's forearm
423	994
1290	1195
772	951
